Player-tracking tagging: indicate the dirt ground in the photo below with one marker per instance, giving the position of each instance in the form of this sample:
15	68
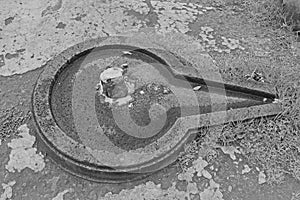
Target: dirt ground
258	159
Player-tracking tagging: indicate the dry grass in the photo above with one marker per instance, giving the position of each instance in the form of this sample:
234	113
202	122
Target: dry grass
271	143
272	13
267	12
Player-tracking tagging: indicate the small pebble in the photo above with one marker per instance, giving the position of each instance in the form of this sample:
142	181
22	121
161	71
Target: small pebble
209	8
197	88
165	91
246	169
125	65
261	178
127	52
229	188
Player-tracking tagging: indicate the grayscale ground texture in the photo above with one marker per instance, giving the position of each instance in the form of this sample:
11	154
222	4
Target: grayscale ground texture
259	159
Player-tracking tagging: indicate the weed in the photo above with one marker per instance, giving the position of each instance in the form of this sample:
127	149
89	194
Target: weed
296	196
271	143
267	13
189	154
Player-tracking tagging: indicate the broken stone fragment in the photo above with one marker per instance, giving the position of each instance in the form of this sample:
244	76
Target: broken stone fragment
114	84
111	73
116	88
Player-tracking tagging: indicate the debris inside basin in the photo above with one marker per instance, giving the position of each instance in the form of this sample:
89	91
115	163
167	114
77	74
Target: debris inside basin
122	87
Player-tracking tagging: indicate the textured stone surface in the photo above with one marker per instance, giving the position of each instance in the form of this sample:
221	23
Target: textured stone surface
33	32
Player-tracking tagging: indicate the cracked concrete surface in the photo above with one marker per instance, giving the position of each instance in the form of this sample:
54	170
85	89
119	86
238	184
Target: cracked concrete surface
31	32
22	154
7	194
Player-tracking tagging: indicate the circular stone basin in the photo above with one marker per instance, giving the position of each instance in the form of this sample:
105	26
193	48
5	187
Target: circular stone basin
108	112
